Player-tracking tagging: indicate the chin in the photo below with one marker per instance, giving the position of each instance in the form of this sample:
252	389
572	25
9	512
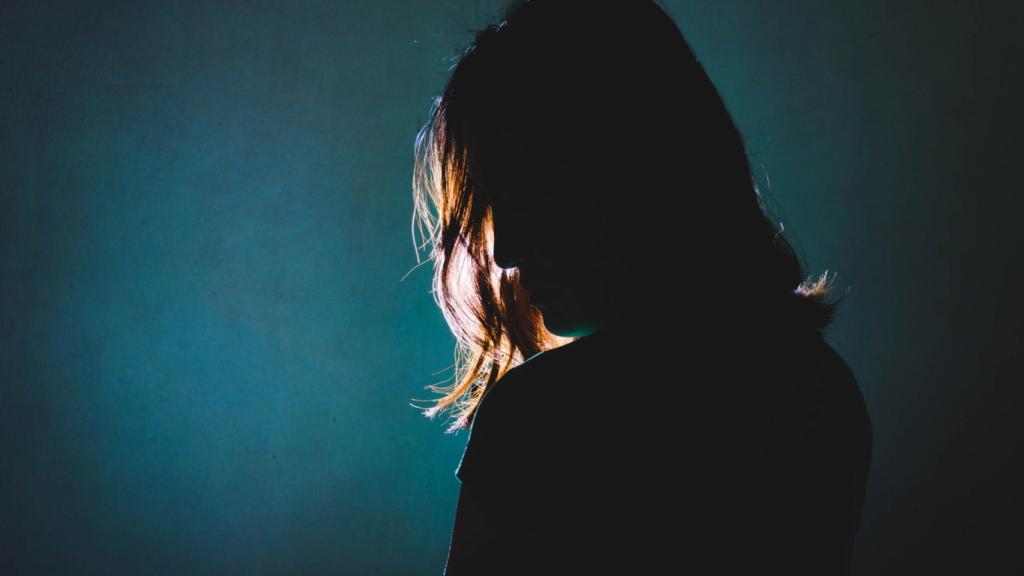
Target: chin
563	327
554	323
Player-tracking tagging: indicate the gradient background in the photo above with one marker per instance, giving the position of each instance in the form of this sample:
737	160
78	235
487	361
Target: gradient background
207	356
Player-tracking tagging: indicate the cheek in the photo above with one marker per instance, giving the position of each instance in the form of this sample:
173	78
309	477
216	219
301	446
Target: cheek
573	234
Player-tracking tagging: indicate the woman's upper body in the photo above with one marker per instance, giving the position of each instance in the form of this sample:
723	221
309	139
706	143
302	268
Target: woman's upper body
735	456
587	175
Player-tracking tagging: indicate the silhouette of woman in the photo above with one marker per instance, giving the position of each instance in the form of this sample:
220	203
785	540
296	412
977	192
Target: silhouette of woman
640	359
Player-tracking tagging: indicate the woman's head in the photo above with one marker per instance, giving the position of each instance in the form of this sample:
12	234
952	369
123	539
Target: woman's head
549	231
586	174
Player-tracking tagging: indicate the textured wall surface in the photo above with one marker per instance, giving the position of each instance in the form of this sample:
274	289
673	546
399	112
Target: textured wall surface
207	356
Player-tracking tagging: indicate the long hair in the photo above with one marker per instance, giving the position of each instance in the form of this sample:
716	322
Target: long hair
614	88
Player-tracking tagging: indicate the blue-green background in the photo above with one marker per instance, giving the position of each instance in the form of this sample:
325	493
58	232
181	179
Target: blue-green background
207	356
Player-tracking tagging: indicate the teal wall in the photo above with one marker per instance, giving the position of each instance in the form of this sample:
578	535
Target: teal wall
207	356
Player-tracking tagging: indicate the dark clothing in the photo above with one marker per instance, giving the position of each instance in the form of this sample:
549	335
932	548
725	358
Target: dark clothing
617	455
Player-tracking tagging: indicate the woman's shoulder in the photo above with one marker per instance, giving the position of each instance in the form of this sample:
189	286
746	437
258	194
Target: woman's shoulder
840	386
507	424
535	407
836	410
544	373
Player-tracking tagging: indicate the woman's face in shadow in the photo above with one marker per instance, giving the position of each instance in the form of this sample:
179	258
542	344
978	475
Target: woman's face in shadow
549	224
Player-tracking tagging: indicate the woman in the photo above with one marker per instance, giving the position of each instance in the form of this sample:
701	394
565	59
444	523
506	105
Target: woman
641	361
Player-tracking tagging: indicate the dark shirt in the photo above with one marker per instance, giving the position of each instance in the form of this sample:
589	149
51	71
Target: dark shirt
610	456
